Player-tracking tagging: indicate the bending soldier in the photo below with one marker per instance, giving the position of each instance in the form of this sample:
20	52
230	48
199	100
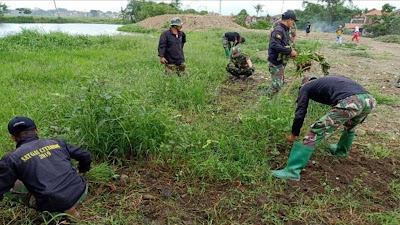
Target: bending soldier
351	104
231	39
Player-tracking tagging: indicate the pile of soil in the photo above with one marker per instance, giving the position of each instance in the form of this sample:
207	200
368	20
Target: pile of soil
192	22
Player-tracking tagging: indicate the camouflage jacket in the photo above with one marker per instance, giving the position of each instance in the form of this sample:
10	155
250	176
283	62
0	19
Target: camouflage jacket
240	61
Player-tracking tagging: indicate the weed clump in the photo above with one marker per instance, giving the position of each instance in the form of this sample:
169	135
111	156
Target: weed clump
101	173
308	52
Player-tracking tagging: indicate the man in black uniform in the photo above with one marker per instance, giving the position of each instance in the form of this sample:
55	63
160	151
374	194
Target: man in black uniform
170	48
39	174
351	104
231	39
279	49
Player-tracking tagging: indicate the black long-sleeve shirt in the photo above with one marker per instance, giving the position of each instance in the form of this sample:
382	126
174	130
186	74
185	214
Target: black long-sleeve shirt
44	167
233	36
328	90
170	47
279	44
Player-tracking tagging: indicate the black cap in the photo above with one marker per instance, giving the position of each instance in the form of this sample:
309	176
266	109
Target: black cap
243	39
20	124
289	15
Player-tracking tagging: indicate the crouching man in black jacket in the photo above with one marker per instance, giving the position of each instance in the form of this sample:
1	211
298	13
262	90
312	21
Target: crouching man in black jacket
39	174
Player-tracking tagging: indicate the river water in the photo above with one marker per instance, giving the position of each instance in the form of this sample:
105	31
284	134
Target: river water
70	28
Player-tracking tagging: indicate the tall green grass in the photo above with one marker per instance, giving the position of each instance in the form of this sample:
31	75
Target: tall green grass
110	95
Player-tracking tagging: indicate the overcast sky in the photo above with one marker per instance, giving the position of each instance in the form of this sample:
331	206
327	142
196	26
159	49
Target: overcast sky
271	7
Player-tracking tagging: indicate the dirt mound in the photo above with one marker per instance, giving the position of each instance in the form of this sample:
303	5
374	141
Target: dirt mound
192	22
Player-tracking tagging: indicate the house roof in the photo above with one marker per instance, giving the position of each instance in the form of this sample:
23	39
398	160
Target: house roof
353	25
373	12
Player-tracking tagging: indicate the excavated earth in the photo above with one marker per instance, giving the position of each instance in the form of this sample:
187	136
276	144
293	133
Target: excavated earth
192	22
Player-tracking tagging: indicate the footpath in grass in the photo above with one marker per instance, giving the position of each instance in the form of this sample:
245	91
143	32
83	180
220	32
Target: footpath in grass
183	150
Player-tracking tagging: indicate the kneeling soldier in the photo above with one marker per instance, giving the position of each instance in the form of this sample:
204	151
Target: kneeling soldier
351	104
39	174
239	64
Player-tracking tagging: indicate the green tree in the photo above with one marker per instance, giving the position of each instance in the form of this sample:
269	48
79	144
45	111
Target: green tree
94	13
241	18
138	10
389	23
322	21
332	7
24	10
176	3
258	8
3	9
388	8
243	12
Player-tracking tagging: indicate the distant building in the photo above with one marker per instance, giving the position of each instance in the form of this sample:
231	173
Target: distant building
365	18
254	19
275	18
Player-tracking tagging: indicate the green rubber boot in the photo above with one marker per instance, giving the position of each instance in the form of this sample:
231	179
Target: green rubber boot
227	52
343	146
299	156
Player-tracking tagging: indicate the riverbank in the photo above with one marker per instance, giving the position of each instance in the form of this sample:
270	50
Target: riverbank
54	19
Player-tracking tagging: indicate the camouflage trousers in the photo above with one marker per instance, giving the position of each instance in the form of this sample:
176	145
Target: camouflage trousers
350	112
225	43
277	77
179	69
235	71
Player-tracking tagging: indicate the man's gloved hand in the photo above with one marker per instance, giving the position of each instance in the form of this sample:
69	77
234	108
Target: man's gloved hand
252	69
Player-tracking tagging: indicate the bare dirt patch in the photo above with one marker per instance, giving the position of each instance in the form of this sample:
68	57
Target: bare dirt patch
192	22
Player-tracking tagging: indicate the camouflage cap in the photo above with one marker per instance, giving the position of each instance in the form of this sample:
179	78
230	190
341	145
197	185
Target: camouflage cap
235	52
176	21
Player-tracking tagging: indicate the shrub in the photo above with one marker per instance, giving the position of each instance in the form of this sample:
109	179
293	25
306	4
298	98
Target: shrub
261	24
134	28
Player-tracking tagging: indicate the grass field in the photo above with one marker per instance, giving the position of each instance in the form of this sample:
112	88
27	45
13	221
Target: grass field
200	145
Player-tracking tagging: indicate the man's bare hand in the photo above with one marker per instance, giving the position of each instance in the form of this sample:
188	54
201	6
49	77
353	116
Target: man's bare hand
163	60
293	53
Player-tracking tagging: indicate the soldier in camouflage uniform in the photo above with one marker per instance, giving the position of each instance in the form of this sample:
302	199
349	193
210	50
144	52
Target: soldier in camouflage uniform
231	39
398	83
239	64
279	51
351	104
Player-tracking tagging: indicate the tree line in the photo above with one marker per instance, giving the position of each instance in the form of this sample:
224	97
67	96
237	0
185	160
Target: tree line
138	10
